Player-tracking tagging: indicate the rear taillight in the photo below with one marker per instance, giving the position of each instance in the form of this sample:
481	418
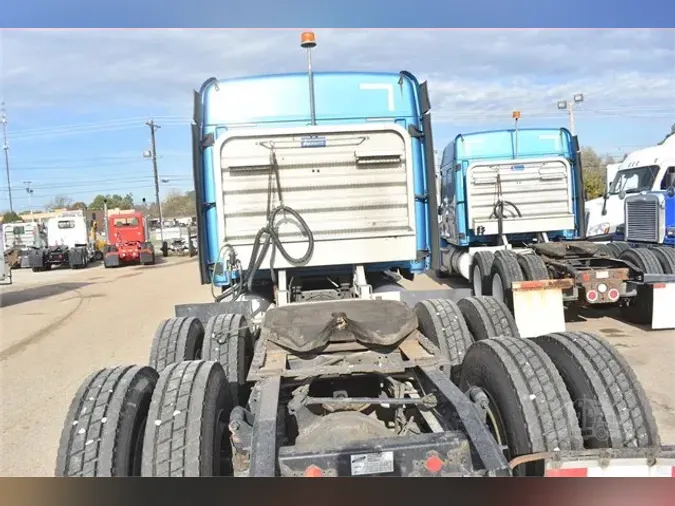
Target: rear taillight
591	295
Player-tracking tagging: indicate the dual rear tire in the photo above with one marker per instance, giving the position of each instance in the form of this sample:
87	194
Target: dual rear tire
493	274
565	391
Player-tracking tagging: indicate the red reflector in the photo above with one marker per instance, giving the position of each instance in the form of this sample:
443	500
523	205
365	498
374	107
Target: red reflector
592	295
613	294
434	464
659	285
586	277
579	472
313	472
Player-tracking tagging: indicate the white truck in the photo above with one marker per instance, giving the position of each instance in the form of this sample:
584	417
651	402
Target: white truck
68	243
643	170
21	238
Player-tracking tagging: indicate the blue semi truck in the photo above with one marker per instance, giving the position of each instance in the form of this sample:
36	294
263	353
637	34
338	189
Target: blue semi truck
312	361
512	208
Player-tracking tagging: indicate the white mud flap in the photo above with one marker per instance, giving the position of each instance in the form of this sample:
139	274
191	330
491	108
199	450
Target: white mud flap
663	301
538	306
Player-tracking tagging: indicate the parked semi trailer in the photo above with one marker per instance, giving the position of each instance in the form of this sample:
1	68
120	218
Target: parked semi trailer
128	241
513	225
20	239
301	366
68	243
643	170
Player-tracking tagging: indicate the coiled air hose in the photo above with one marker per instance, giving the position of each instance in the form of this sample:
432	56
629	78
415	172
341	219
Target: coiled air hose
267	236
498	208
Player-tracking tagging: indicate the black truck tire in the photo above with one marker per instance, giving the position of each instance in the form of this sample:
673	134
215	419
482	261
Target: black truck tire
187	433
487	317
442	322
176	340
614	249
666	257
228	341
532	410
103	431
611	405
643	259
505	271
532	267
481	282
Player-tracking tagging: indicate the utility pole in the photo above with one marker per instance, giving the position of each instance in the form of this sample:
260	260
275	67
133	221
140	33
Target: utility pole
152	154
5	147
29	191
564	105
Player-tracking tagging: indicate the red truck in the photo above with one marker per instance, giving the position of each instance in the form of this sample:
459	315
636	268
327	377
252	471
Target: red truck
128	241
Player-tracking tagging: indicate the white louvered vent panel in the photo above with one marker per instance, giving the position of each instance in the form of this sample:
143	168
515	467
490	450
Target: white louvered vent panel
538	189
358	185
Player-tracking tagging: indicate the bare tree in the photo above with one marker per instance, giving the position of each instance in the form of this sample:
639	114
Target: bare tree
59	202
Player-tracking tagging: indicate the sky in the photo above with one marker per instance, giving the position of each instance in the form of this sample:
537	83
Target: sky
77	100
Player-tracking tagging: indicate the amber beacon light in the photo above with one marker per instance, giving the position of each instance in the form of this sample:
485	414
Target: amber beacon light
308	40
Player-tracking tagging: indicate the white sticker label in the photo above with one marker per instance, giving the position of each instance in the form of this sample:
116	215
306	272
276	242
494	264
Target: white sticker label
372	463
602	275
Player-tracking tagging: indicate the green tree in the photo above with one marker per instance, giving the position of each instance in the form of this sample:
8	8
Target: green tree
595	172
59	202
178	204
114	201
11	217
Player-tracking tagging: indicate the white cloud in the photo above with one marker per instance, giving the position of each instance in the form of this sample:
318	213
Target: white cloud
472	73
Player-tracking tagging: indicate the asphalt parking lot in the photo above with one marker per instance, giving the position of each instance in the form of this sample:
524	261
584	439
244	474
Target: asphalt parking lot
57	327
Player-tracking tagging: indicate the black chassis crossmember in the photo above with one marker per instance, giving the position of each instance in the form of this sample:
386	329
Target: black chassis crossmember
468	450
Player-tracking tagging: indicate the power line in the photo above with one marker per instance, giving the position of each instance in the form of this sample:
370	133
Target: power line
663	110
93	166
99	183
118	189
133	121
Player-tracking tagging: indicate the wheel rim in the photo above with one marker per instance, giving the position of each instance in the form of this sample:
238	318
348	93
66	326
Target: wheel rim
477	282
498	287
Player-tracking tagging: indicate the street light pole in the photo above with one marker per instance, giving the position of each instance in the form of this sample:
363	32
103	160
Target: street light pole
29	191
569	106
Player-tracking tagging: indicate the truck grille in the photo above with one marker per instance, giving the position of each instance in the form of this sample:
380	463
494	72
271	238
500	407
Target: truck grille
642	219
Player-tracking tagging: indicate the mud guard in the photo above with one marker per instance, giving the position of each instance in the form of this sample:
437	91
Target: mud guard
660	297
77	257
147	255
36	259
112	259
538	306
